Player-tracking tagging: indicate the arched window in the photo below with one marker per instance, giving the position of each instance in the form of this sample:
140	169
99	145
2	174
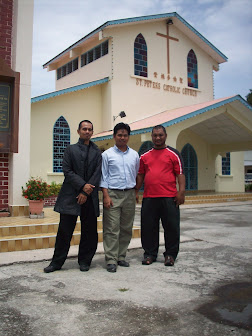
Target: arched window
61	139
147	145
191	167
140	56
192	70
226	164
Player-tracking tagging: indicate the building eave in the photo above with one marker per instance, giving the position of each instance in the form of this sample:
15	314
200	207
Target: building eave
68	90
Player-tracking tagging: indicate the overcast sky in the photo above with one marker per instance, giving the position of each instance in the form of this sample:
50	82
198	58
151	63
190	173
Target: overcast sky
227	24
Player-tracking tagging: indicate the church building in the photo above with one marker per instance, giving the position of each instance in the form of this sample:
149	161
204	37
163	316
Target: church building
148	70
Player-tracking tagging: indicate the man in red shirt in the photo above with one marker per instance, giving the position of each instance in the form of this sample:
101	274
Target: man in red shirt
160	169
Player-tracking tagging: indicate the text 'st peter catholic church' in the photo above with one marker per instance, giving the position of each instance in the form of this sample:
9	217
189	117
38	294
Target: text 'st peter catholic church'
156	69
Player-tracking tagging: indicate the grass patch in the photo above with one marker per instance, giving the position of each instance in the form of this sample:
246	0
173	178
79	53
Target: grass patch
123	289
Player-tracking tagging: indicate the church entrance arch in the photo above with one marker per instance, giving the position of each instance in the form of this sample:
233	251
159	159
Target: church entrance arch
191	167
147	145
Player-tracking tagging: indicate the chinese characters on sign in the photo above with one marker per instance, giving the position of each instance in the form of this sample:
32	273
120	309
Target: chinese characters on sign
171	88
4	107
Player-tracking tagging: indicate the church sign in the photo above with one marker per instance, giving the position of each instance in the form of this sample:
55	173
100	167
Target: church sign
5	104
169	88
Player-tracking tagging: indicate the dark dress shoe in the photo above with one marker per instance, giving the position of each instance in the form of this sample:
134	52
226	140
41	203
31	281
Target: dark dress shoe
111	268
84	267
51	268
123	263
148	260
169	261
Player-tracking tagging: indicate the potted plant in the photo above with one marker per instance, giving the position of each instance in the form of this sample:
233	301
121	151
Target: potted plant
35	192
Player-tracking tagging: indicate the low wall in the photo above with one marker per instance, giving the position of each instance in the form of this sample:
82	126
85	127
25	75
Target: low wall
50	201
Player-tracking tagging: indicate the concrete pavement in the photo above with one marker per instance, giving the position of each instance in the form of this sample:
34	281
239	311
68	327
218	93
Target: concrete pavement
207	292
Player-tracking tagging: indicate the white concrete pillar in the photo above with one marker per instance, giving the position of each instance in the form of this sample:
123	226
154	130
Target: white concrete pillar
19	167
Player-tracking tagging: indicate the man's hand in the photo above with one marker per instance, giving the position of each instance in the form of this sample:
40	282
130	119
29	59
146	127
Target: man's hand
107	202
137	196
81	199
88	188
180	198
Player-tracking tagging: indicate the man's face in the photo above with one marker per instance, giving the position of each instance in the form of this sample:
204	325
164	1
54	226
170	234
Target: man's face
86	131
121	138
159	137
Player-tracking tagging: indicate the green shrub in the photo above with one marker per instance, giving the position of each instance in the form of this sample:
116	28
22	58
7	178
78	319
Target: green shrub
248	187
54	188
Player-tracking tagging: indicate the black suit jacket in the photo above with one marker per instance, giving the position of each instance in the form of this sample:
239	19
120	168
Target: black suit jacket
76	177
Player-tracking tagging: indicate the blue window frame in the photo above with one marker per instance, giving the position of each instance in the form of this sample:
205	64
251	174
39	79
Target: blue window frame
226	165
61	139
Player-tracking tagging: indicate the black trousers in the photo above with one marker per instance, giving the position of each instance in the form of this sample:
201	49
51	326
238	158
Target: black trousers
154	209
89	235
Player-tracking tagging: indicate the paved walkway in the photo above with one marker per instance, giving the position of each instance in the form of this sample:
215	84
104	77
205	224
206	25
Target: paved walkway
208	292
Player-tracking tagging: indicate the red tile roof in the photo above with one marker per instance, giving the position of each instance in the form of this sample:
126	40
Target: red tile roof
170	116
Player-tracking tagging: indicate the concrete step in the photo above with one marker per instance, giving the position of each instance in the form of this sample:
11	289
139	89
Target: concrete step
42	241
214	198
21	229
229	196
40	236
218	198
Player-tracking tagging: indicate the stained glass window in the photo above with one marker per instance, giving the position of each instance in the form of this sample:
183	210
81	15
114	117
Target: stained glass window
192	70
140	56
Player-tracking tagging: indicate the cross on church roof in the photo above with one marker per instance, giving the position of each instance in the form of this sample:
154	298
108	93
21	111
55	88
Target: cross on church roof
168	37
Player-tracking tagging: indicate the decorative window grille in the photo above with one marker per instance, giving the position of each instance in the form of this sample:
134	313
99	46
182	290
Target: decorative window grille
192	70
94	54
190	166
226	165
140	56
61	139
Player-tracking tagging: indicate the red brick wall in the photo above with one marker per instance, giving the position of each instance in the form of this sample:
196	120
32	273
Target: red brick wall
50	201
4	174
6	12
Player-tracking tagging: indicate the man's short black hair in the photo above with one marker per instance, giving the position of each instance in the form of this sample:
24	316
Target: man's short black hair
158	127
88	121
120	126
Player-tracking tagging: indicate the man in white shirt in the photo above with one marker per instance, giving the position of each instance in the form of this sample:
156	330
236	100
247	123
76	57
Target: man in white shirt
120	166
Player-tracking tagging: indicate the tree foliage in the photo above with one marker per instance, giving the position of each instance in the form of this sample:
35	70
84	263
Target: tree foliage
249	97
